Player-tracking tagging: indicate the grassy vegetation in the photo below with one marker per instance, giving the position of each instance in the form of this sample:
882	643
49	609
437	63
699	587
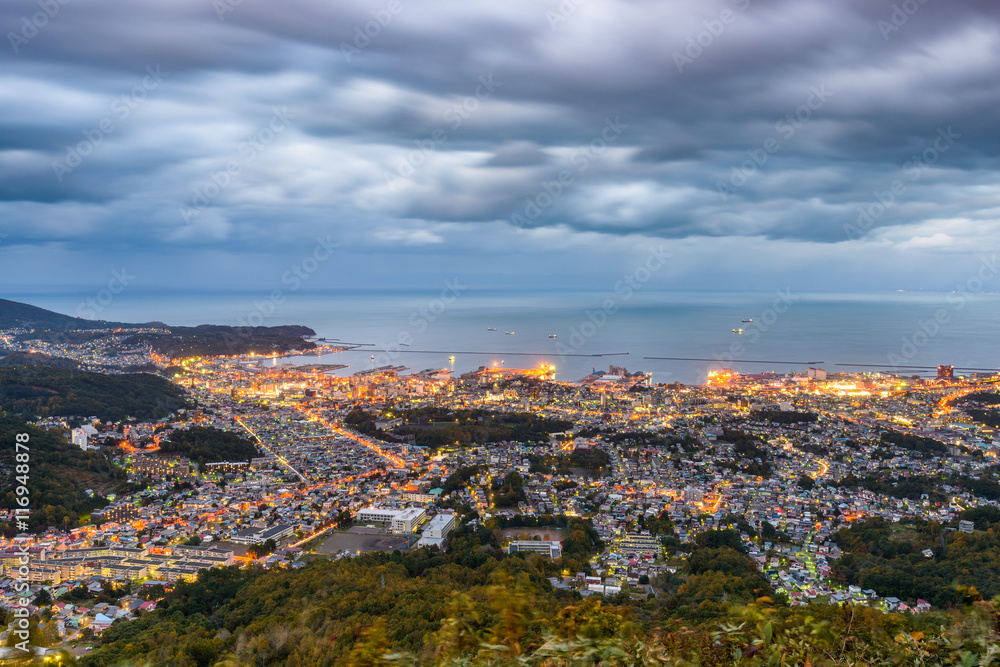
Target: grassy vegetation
16	314
927	447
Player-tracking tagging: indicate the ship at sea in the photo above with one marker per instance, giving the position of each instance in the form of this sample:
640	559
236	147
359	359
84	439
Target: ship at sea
749	320
552	336
510	333
491	328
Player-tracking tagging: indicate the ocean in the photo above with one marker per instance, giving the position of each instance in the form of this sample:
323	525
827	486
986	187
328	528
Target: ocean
790	331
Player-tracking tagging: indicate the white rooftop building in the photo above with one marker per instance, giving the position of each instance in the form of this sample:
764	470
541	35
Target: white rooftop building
437	530
407	520
398	521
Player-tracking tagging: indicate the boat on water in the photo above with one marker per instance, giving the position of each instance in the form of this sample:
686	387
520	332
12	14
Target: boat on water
552	336
491	328
737	331
749	320
451	358
510	333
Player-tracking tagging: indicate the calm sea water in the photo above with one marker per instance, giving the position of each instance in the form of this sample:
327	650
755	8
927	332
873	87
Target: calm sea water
791	332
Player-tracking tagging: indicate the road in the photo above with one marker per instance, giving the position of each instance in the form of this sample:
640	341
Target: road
366	442
270	451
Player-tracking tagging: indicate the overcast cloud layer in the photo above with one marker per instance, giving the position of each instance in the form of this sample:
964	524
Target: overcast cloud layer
833	145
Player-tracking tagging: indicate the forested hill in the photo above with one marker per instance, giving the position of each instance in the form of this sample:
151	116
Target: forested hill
208	444
476	606
171	341
32	391
916	559
36	359
59	474
214	340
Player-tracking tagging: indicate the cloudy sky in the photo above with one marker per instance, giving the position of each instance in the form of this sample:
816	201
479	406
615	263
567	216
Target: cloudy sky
202	144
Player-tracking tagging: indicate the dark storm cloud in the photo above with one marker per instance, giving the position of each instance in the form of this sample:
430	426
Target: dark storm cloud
765	118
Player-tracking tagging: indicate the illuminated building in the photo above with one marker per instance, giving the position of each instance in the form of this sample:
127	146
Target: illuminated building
551	549
261	535
640	543
399	521
116	514
162	467
225	467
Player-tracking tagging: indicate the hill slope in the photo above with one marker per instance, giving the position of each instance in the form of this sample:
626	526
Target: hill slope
59	474
36	359
208	340
474	606
208	444
17	314
31	391
202	340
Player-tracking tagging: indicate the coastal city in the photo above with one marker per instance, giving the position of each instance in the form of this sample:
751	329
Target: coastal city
604	333
392	459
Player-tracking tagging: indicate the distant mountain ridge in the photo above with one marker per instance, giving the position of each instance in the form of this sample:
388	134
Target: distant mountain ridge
174	341
17	314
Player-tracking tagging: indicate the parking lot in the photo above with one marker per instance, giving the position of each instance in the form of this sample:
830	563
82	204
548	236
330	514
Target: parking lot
360	543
